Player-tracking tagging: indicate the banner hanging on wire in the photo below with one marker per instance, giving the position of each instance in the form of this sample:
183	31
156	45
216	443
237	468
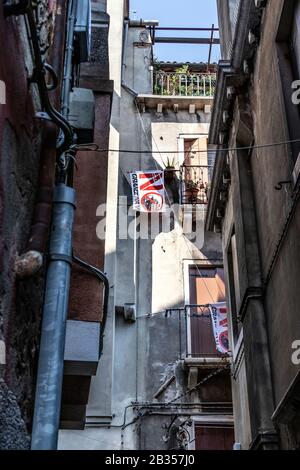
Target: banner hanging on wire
148	191
220	326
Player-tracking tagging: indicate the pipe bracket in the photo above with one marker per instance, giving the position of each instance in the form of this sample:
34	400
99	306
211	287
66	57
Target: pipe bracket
60	257
64	194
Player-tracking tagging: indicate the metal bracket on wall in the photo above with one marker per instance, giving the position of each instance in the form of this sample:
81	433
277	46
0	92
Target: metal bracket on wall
128	311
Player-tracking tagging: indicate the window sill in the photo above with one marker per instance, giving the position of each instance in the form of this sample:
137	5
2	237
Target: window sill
206	362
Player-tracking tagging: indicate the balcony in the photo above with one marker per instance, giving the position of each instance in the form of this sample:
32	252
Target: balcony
196	342
201	85
192	346
180	87
194	184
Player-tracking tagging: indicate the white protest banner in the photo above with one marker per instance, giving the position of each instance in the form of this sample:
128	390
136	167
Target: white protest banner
148	191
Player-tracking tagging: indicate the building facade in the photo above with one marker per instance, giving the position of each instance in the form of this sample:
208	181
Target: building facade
161	383
106	328
37	100
254	205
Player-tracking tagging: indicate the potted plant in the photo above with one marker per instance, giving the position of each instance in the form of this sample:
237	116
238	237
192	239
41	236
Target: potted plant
192	190
169	171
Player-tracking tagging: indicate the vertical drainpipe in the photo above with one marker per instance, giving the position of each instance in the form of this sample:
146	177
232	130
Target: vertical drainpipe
51	356
125	42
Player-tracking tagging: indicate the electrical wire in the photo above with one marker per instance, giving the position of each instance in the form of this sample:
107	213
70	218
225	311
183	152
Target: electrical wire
202	382
178	152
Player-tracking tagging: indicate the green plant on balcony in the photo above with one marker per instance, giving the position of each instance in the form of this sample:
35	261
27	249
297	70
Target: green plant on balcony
176	87
192	185
197	191
191	191
169	171
159	87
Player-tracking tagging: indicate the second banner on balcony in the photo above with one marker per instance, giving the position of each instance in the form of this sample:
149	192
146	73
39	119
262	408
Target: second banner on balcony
220	326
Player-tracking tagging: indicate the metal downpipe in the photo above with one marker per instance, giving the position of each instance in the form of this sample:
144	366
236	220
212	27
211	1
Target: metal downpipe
51	356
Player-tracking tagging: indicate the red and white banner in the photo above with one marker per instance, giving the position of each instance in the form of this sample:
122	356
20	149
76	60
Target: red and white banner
148	191
220	326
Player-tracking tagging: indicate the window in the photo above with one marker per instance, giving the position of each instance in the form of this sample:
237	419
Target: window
195	151
207	286
196	171
288	46
214	437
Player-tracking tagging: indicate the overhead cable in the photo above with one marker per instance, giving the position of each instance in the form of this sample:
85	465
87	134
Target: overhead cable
219	150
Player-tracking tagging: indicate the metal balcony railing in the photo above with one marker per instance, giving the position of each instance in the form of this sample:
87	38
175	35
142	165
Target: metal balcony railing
202	85
194	184
195	332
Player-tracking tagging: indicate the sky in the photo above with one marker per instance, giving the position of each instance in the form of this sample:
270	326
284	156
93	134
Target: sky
180	13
